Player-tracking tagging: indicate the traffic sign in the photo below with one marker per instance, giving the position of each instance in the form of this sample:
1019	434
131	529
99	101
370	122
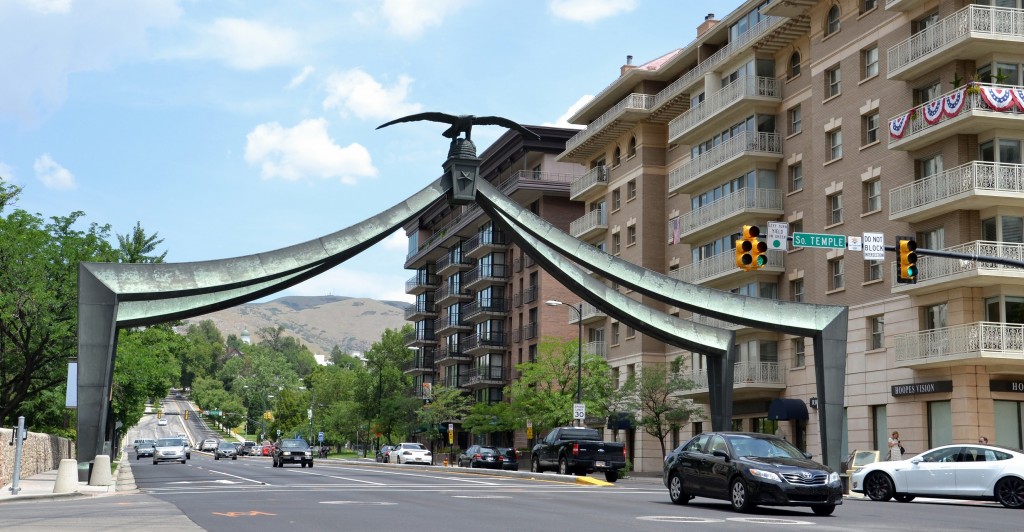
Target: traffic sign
579	411
778	233
874	246
320	437
819	240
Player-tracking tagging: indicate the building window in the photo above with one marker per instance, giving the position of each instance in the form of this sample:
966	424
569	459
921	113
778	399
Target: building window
876	326
617	156
616	199
796	226
616	243
869	124
631	189
832	22
835	209
869	60
796	177
833	81
873	270
872	195
630	332
632	147
794	120
674	230
927	93
794	65
925	22
929	166
935	316
835	277
631	235
835	144
867	5
796	290
615	334
798	352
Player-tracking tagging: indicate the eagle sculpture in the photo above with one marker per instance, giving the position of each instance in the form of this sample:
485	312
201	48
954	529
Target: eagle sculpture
463	123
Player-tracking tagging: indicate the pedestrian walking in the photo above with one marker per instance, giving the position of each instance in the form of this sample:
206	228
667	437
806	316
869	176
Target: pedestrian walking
895	447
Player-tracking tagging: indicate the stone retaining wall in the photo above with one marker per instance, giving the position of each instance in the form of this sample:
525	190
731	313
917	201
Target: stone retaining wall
39	453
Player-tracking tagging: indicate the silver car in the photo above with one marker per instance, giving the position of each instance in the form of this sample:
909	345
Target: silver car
225	449
170	450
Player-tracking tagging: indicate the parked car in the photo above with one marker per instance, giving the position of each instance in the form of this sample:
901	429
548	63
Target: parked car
411	453
225	449
972	471
144	449
170	450
578	450
267	450
480	456
511	458
293	451
383	452
208	444
750	469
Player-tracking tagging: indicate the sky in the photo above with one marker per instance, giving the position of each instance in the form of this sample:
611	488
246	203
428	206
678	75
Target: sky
231	127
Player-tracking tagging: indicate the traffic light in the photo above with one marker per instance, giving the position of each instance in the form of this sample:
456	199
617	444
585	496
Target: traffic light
906	260
750	252
186	414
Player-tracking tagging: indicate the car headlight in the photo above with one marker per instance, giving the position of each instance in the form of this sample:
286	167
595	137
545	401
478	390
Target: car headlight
766	475
833	477
309	453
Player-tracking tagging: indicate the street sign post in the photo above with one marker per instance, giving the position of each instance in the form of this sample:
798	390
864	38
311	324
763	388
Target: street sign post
819	240
579	411
778	233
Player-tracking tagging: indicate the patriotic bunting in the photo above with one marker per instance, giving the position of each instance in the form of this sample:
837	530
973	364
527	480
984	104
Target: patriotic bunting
998	98
898	126
933	111
953	103
1018	95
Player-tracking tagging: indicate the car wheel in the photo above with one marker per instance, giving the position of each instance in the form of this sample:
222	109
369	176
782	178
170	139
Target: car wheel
155	462
675	490
563	466
902	497
739	496
1010	492
878	487
183	461
234	457
611	476
216	457
535	465
823	509
311	465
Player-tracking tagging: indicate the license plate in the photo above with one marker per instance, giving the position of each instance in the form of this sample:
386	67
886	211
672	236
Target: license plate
600	464
490	459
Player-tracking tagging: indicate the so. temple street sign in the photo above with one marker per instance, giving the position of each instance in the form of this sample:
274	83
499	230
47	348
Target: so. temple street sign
819	240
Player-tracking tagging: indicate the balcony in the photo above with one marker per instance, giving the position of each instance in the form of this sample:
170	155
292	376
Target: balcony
446	295
590	184
454	381
483	243
536	179
493	375
903	5
451	324
590	314
448	355
940	273
750	379
530	330
979	343
714	322
479	309
962	111
731	102
712	217
971	186
485	274
421	363
420	310
745	148
484	342
447	265
723	265
968	34
677	95
614	122
589	225
596	348
420	283
420	338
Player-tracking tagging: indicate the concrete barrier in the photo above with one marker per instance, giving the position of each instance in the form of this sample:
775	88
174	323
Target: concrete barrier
125	477
67	476
40	453
101	471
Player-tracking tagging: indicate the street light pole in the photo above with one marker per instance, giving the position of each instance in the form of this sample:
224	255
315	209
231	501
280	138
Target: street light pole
579	346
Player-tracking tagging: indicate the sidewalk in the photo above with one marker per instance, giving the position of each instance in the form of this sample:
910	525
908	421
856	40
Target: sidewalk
40	487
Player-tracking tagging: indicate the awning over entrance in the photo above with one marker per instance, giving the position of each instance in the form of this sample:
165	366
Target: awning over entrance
782	409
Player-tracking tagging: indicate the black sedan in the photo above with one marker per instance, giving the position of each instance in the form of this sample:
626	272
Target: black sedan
480	456
511	458
750	469
293	451
384	453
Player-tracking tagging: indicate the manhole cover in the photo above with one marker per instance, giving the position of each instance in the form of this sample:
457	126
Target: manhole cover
677	519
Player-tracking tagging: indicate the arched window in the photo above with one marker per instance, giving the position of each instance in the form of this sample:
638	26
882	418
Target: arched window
632	146
794	65
832	24
618	156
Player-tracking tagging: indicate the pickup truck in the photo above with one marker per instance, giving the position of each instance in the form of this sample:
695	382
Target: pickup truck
578	450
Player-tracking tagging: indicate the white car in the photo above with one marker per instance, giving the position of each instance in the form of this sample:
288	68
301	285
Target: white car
963	471
162	422
208	445
410	453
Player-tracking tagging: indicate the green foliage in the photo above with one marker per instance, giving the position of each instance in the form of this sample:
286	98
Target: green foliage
298	356
445	405
344	360
206	350
653	394
146	368
383	390
137	246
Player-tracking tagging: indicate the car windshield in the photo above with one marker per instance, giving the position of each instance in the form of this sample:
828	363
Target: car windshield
227	445
487	450
145	444
763	447
169	442
417	446
292	444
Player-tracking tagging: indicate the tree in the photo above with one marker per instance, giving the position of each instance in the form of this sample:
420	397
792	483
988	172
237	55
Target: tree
145	369
137	246
653	394
344	360
383	390
445	405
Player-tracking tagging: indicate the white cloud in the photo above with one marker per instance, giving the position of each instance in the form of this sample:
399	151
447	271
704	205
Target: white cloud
354	283
563	121
355	91
7	173
410	18
300	78
44	42
305	151
53	175
247	44
398	241
590	10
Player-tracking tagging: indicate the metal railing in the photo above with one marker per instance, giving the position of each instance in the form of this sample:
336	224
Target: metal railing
730	205
589	312
930	268
974	176
588	222
972	339
596	348
772	373
496	305
421	279
972	102
720	264
421	361
993	22
481	374
635	101
420	307
745	87
742	143
597	175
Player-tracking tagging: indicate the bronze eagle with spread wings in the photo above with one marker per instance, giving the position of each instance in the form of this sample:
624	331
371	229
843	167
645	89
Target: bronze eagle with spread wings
463	123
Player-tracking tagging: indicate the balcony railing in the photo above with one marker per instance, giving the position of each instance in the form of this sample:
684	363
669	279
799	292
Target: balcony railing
973	178
714	322
530	294
446	263
636	102
681	85
535	176
930	268
731	205
590	313
720	264
995	23
485	375
484	272
420	282
744	143
495	306
420	336
767	373
448	353
597	176
952	105
484	240
591	221
446	291
420	308
454	381
530	330
422	361
969	341
596	348
450	322
746	87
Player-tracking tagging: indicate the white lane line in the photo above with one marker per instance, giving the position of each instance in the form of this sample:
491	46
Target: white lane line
341	478
236	476
392	472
